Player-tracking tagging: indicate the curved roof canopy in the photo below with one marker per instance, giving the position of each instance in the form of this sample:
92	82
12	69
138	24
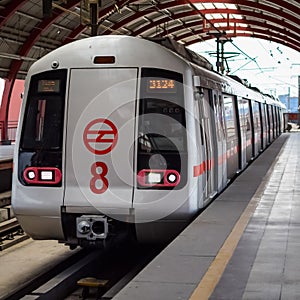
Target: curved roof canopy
30	29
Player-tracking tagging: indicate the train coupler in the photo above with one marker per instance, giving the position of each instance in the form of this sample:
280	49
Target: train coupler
91	227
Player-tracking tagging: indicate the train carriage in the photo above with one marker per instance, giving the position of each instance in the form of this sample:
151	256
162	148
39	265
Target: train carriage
124	135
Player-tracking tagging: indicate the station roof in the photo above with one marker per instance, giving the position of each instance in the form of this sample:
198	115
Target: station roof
26	33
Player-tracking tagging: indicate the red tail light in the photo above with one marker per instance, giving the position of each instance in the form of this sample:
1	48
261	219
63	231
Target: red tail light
42	175
158	178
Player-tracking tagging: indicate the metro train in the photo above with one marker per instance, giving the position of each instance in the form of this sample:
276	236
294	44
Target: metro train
123	135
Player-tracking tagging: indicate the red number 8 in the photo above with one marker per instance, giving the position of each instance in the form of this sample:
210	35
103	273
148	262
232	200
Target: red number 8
99	176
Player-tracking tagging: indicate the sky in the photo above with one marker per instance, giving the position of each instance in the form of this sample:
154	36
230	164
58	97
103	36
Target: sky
273	68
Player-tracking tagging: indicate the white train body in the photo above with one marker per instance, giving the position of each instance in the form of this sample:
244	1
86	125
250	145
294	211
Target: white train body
121	133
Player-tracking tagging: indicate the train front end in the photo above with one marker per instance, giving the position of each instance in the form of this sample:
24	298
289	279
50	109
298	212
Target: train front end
103	144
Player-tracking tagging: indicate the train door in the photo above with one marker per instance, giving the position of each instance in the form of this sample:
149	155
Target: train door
273	110
231	135
220	159
265	126
276	110
210	154
249	130
280	120
262	126
270	122
243	132
199	170
100	137
257	140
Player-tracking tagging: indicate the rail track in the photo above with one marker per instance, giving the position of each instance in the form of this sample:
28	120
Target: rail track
11	233
118	263
5	199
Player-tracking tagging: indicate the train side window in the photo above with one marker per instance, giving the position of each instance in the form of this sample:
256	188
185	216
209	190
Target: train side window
256	115
242	109
229	115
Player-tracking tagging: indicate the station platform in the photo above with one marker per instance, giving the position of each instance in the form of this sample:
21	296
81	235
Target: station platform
245	245
6	166
6	152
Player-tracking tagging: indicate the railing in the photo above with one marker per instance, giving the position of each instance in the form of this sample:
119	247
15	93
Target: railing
11	131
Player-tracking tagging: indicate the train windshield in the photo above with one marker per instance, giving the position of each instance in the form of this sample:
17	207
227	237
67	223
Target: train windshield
162	114
162	140
43	119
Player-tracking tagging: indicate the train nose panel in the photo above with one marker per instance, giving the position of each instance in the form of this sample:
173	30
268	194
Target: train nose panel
100	142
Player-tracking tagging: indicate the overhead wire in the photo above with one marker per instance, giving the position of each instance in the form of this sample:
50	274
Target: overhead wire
245	54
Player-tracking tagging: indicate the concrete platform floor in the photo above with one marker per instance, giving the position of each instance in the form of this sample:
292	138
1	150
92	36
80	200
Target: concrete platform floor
245	245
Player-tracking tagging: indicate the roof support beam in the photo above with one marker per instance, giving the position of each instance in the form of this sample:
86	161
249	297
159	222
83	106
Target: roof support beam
259	11
271	19
222	11
16	64
144	13
259	25
10	10
105	13
251	35
256	5
5	107
241	31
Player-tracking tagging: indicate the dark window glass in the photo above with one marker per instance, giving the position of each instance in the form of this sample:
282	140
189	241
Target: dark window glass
43	119
229	116
256	115
162	114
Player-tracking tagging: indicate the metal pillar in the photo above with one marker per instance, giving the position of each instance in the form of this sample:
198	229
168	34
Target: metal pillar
5	107
222	56
289	99
298	102
94	17
218	63
221	39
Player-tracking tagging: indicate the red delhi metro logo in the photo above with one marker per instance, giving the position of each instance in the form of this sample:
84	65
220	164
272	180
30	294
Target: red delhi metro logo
100	136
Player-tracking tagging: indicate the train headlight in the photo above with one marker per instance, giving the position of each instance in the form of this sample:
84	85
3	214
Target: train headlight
83	227
31	175
172	177
158	178
42	175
